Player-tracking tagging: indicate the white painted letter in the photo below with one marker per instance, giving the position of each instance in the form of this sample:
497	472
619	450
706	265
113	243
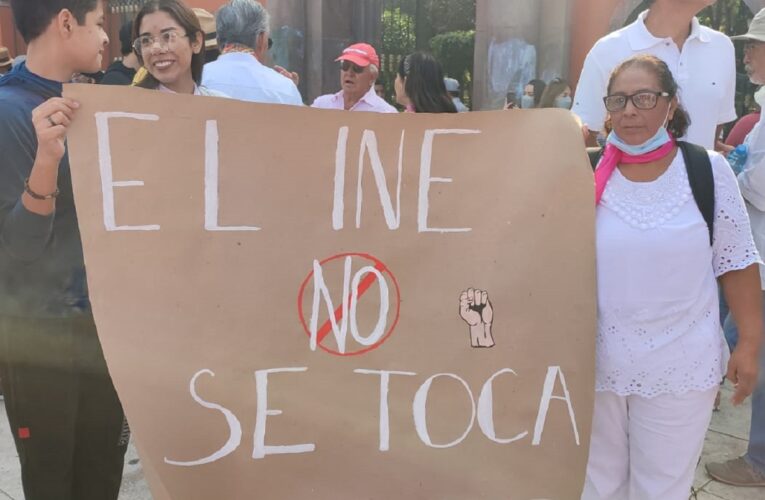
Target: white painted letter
384	414
369	143
107	175
320	291
382	319
235	428
211	182
553	373
486	411
260	450
338	208
419	407
426	160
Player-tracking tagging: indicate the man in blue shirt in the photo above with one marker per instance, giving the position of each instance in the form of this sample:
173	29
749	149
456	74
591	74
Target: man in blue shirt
63	410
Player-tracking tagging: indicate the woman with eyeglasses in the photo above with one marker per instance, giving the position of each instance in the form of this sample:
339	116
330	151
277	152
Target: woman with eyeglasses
420	86
169	43
660	352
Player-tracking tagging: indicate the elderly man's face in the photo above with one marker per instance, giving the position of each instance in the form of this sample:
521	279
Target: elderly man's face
356	80
754	59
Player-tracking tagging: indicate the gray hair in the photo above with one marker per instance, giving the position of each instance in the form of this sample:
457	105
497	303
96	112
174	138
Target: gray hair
241	22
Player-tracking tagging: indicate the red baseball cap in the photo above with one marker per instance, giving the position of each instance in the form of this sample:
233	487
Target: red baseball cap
361	54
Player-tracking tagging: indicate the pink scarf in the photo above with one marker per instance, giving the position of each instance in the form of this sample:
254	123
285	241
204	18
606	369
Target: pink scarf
613	157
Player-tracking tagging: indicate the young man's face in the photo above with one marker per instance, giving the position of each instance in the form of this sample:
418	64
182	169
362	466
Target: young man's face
88	41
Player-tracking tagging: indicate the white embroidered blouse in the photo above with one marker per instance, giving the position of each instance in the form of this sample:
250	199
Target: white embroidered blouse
658	328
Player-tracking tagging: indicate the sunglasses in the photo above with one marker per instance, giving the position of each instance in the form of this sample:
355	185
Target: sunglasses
348	66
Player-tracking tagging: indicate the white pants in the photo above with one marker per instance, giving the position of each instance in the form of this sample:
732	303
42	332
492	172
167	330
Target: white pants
646	449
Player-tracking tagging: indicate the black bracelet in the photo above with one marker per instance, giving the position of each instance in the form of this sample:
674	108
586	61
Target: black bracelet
40	197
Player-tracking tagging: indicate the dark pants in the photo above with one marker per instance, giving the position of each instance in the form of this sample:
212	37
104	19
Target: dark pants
63	410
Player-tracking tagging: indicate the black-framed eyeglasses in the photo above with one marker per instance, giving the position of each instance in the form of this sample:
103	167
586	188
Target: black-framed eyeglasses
165	40
644	100
349	66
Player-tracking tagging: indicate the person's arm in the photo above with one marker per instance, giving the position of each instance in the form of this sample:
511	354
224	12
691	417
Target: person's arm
590	91
28	225
752	178
736	265
744	297
727	112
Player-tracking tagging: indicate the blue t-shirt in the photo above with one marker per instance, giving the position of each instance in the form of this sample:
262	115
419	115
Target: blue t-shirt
42	271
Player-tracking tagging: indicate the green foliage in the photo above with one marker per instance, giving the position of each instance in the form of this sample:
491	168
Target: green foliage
455	50
398	32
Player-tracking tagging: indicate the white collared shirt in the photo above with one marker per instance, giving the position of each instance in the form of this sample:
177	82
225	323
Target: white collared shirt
705	71
752	183
371	102
241	76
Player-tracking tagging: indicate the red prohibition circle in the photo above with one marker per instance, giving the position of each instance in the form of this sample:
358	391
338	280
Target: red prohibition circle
380	266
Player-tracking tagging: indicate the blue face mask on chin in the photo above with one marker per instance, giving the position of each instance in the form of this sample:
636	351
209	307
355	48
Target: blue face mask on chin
527	101
658	140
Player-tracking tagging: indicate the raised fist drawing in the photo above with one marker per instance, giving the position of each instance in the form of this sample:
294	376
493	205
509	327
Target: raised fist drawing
476	310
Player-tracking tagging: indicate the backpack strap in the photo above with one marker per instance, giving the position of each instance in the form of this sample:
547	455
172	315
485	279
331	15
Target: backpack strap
595	155
702	181
700	178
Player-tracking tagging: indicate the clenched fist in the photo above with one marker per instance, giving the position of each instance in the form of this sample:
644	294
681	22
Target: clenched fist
476	310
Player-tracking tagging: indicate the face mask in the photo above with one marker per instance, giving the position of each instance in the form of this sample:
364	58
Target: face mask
660	138
527	101
563	102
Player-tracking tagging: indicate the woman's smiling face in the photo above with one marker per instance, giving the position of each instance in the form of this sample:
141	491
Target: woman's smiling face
168	58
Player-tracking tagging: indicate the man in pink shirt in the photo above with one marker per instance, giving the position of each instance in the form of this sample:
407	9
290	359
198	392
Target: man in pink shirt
359	69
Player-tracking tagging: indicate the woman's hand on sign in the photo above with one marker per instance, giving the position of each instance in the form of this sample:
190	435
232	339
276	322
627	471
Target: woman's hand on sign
51	120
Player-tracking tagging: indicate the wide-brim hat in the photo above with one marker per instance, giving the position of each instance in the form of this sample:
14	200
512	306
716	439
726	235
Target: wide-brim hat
756	29
360	54
6	61
207	22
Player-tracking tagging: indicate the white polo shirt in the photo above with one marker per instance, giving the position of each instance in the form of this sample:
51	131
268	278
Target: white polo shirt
705	71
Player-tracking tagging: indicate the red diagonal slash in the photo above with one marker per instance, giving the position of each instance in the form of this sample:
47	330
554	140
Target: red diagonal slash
364	286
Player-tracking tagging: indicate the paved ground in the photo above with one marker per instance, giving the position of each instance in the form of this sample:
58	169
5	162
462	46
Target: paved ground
726	439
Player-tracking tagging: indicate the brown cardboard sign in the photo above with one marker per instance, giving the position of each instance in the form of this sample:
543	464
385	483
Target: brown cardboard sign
298	303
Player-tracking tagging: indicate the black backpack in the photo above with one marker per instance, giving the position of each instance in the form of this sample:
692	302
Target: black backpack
700	177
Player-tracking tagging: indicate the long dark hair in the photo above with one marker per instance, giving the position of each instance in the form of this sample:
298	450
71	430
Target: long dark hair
552	91
186	18
425	86
680	121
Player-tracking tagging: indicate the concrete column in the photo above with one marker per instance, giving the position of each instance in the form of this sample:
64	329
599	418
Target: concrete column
507	34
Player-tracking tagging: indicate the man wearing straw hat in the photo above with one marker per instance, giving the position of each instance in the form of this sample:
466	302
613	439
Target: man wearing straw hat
749	470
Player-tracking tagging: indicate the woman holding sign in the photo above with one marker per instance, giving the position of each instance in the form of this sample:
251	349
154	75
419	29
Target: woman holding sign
670	222
169	43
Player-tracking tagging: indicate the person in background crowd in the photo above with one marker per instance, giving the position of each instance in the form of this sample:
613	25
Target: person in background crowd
380	88
532	94
420	85
749	470
169	43
660	353
243	28
6	61
123	71
89	78
702	62
359	69
557	94
453	87
207	22
65	416
746	123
